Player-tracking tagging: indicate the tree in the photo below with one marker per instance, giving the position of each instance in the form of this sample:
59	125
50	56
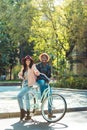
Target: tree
15	24
56	29
75	24
8	50
46	33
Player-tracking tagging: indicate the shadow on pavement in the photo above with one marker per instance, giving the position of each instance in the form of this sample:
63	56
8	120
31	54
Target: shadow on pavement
36	125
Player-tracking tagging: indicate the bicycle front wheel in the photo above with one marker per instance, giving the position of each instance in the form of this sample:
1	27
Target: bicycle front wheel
56	104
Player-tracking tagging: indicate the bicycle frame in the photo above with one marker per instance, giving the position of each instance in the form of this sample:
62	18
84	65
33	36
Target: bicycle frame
49	102
46	93
34	92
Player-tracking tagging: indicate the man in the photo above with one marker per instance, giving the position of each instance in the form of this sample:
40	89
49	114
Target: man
45	68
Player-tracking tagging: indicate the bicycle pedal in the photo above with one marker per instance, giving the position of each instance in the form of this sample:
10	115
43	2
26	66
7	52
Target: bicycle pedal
32	114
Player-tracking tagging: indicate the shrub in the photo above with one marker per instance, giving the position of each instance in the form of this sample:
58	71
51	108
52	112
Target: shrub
72	82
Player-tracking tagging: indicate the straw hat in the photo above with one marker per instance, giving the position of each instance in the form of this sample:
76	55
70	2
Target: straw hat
44	54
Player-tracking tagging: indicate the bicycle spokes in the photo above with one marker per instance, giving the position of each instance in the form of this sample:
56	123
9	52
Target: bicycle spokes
53	108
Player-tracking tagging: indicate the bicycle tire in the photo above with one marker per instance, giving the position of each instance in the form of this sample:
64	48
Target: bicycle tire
58	106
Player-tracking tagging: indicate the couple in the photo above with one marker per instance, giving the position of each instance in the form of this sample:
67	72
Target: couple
30	74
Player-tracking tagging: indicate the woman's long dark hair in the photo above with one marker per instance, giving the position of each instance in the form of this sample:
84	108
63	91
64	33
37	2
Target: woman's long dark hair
25	66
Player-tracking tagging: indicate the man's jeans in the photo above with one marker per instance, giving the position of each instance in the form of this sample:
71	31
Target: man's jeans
43	85
23	96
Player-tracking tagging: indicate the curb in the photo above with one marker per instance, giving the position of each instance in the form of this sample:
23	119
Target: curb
17	114
76	109
10	84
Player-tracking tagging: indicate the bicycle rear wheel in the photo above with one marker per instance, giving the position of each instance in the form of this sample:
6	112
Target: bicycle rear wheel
58	107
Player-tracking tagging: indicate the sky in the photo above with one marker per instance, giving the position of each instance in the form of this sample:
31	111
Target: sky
58	2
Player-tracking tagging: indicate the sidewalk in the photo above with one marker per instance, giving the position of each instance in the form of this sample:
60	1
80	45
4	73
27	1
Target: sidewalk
71	121
76	100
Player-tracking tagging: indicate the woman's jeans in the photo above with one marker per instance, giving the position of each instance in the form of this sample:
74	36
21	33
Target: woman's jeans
23	96
43	85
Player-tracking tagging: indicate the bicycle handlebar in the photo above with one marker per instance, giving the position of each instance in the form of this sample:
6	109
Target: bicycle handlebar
45	76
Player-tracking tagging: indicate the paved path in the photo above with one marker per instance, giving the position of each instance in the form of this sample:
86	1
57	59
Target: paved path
76	99
71	121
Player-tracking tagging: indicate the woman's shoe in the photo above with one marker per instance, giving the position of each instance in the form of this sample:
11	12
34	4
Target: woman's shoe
28	117
22	114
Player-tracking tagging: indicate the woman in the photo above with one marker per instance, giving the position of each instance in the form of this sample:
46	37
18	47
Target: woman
29	75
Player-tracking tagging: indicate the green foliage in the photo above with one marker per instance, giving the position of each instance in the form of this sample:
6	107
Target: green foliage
15	22
15	71
8	50
47	27
72	82
75	23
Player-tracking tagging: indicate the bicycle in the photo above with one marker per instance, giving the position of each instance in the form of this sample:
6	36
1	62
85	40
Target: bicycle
56	102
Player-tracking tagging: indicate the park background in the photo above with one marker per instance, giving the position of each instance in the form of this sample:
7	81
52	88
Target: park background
57	27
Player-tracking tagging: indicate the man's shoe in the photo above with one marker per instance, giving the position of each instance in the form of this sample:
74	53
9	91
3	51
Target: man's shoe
50	115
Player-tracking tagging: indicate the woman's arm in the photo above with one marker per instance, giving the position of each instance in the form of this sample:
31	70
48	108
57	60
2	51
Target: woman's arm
36	71
20	74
